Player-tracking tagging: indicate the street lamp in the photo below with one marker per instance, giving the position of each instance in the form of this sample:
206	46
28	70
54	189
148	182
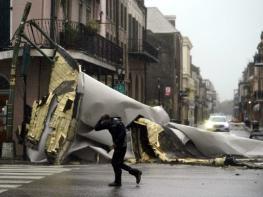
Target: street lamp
120	72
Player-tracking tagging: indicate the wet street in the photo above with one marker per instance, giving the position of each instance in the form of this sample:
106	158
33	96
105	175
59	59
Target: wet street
239	130
157	180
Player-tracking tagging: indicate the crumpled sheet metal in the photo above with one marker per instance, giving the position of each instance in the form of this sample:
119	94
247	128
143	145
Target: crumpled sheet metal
52	126
52	120
99	141
220	159
99	99
153	132
213	144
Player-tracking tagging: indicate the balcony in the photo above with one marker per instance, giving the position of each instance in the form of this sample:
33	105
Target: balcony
142	49
75	36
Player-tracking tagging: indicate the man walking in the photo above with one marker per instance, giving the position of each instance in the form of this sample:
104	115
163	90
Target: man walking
118	133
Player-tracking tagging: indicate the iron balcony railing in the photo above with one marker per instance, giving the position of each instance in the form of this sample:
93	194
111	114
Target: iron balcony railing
75	36
142	46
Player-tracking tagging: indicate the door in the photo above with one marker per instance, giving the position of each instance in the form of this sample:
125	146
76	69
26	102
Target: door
4	92
4	23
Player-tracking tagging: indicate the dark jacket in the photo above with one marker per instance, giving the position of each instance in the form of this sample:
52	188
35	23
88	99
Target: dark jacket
116	129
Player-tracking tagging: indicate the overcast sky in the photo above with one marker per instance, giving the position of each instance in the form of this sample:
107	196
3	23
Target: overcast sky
224	34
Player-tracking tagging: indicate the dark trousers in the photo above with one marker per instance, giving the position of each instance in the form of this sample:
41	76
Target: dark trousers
118	165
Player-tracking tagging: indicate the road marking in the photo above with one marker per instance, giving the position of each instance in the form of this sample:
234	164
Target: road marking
2	190
22	177
27	173
6	186
15	181
13	176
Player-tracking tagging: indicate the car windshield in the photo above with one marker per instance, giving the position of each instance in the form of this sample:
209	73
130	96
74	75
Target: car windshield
217	119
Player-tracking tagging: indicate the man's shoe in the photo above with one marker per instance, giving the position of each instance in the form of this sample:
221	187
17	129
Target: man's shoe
114	184
138	176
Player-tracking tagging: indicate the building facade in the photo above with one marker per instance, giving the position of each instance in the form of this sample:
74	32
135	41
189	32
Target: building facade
140	52
77	25
188	86
250	90
164	78
196	75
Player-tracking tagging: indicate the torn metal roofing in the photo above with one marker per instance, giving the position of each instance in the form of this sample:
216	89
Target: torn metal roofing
62	126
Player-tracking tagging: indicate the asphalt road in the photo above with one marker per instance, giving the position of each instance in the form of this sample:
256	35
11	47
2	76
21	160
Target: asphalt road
157	180
239	130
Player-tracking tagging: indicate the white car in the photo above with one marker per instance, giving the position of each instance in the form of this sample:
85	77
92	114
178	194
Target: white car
217	123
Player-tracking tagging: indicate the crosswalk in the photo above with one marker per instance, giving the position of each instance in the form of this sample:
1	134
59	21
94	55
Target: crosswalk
13	176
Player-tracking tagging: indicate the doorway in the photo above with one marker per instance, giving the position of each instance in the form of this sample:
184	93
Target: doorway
4	94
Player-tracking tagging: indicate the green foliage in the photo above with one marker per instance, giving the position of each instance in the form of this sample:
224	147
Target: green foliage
92	26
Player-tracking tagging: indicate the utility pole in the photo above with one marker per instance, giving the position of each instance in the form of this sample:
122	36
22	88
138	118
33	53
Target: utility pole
8	147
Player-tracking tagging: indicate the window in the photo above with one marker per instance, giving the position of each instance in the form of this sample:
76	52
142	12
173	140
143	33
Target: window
110	9
88	10
80	11
122	16
107	35
114	10
107	8
130	27
125	18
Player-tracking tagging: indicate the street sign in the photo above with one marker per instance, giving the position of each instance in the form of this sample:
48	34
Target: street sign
120	87
168	91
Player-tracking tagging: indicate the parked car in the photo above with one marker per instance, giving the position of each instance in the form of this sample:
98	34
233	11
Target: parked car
217	123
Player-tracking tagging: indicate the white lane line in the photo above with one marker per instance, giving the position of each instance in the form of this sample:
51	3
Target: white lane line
27	173
7	186
45	170
14	176
33	169
2	190
15	181
22	177
30	166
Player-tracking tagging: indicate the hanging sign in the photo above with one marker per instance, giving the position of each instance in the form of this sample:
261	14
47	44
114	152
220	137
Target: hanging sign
168	91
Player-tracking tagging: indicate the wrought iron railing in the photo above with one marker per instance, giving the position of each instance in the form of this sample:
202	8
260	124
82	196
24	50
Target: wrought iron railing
140	45
76	36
